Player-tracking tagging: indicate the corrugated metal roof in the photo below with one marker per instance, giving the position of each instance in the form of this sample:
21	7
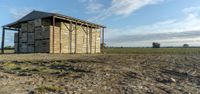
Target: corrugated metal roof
40	14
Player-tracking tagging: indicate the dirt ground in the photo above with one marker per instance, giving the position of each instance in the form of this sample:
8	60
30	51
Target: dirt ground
99	74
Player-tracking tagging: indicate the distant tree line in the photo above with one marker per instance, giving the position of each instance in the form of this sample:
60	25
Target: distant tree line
155	45
186	46
9	47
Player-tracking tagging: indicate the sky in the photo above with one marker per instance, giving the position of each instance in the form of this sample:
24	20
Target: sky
130	23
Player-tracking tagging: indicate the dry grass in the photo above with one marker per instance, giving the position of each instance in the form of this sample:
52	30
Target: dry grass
144	51
152	51
8	51
108	73
122	71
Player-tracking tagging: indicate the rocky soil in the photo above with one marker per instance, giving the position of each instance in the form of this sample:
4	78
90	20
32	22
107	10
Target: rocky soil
100	74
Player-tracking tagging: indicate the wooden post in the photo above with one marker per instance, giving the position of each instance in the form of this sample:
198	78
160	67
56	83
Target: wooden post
75	37
60	39
95	43
53	32
2	41
87	40
103	40
90	39
70	37
19	42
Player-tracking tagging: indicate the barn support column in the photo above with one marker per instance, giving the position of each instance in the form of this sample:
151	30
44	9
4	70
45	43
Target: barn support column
2	41
103	44
60	39
87	51
75	38
86	32
70	29
90	38
53	34
18	41
70	37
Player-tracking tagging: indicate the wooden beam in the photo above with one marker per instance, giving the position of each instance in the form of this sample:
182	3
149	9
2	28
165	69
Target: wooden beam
75	37
67	26
95	43
90	40
14	29
19	41
70	38
87	39
60	39
103	40
35	42
2	41
80	22
53	32
83	28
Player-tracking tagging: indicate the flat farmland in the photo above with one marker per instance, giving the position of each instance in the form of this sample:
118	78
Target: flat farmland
123	72
169	51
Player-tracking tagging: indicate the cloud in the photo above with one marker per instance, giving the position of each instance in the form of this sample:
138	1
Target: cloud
193	10
94	6
126	7
170	32
116	7
17	13
156	36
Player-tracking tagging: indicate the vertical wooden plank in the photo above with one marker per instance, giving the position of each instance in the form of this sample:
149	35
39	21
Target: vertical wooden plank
90	40
53	32
60	39
70	38
75	37
102	40
35	40
2	41
27	41
18	41
95	43
87	39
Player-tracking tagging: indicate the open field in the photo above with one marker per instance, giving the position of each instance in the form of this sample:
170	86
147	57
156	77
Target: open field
146	51
177	73
8	51
152	50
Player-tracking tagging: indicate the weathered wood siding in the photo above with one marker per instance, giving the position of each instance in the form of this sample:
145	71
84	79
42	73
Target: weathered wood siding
40	37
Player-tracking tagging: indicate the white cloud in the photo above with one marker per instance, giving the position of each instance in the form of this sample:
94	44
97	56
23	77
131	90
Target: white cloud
168	32
126	7
17	13
93	6
193	10
117	7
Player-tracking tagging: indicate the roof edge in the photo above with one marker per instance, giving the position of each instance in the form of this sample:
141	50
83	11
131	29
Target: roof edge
48	14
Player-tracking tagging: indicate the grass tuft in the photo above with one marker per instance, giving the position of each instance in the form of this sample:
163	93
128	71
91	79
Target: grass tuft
46	89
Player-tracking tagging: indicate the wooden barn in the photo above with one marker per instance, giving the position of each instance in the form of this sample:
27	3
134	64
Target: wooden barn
43	32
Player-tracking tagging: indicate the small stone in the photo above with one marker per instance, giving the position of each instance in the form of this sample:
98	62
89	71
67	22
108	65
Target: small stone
173	80
31	92
90	90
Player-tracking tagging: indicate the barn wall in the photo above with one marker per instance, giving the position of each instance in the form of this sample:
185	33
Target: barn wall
38	36
87	39
33	37
54	39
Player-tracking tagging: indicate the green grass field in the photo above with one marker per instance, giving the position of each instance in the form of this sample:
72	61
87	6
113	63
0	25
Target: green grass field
8	51
145	51
152	50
